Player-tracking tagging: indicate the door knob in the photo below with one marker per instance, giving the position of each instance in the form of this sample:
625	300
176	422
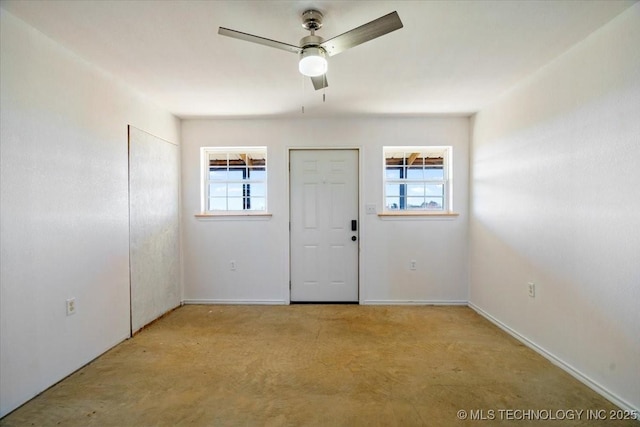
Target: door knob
354	238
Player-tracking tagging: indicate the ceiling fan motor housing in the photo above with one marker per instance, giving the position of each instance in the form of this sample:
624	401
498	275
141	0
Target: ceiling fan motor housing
310	41
312	20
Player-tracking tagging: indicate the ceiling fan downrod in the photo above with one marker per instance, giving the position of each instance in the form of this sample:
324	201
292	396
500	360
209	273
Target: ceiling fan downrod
312	21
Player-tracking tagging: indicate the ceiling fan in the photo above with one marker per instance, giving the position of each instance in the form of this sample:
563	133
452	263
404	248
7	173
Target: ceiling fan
314	49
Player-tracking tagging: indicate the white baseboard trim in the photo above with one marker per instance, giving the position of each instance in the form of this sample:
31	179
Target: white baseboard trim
284	302
585	379
236	301
412	302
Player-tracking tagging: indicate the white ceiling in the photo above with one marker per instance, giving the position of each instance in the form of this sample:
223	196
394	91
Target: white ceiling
451	57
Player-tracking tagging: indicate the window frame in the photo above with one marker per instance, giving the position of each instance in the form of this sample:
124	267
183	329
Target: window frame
246	181
445	151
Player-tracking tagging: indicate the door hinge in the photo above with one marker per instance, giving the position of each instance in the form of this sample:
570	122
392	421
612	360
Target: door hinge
289	284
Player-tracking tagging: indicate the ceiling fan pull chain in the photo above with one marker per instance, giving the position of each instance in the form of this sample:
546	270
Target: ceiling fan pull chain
324	89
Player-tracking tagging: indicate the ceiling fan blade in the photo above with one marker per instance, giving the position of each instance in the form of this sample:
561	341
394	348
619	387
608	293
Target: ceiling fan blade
319	82
364	33
259	40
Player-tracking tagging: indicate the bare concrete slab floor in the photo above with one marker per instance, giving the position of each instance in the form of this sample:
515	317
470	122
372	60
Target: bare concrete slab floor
318	365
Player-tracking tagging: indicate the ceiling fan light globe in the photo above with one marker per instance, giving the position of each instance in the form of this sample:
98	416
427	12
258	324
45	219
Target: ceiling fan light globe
312	62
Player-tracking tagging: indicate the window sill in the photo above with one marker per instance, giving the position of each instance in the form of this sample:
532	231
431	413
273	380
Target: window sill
418	214
234	215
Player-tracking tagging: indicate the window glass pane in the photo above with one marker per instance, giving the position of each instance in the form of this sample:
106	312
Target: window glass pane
218	173
434	172
218	190
435	190
235	174
393	190
394	159
415	202
414	173
218	204
393	203
235	159
235	203
402	202
393	173
256	158
434	160
413	159
434	203
218	158
258	204
415	189
257	174
234	190
256	189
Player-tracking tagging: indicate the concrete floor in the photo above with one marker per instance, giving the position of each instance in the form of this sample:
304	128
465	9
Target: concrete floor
324	365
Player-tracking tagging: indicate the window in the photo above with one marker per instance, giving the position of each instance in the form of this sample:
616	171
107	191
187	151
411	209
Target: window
234	179
417	179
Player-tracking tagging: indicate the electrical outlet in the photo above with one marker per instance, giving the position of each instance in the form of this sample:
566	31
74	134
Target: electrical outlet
232	265
532	289
412	264
371	209
71	306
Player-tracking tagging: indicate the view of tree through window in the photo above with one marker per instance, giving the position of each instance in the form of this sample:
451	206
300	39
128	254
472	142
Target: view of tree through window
235	179
416	178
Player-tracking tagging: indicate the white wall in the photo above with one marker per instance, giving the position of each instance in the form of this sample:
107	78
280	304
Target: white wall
555	200
260	247
64	209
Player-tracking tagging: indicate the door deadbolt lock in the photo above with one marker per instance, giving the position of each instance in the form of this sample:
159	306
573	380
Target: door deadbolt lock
354	238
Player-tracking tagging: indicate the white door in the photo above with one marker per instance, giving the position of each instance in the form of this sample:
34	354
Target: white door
324	225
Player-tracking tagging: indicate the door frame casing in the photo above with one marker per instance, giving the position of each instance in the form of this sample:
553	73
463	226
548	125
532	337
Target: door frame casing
359	152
